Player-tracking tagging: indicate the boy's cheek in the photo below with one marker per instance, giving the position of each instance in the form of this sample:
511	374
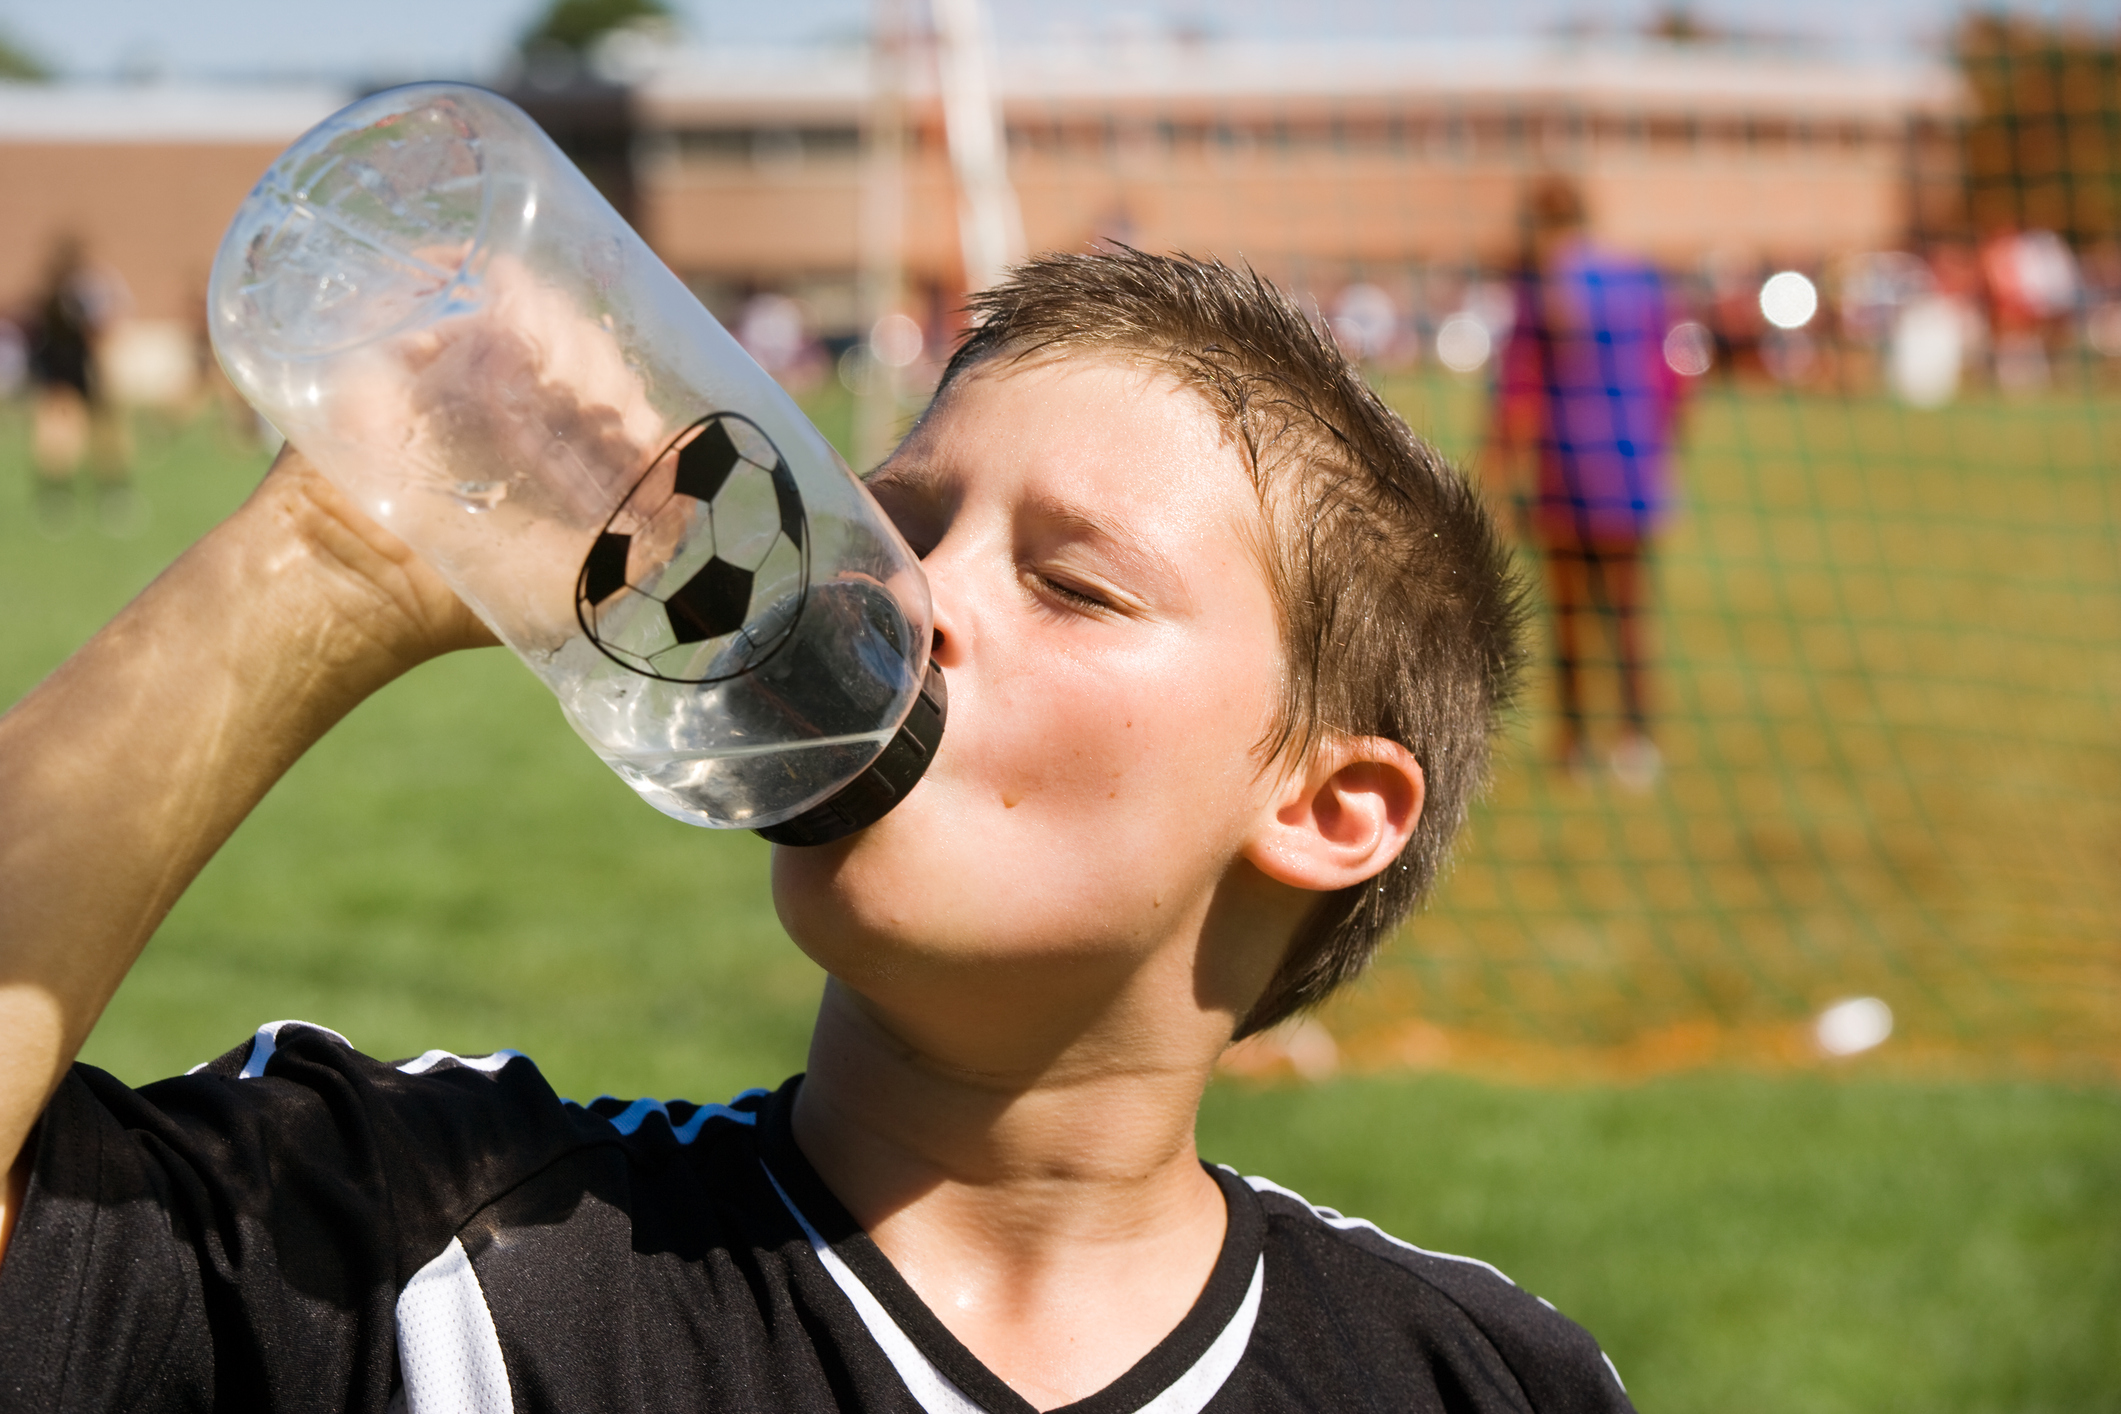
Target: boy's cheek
1070	791
992	859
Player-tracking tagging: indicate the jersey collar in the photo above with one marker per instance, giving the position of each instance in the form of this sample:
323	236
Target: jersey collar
1179	1376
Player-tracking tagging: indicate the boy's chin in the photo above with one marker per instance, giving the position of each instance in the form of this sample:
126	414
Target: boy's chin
852	903
893	901
889	860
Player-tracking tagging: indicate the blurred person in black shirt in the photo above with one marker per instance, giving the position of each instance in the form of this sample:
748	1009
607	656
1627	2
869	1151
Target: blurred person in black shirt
74	420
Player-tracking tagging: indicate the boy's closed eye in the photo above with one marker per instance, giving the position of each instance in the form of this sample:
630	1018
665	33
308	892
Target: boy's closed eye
1066	554
1060	588
1088	558
1074	591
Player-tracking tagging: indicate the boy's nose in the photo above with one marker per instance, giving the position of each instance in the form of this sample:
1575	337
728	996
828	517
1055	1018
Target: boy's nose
947	642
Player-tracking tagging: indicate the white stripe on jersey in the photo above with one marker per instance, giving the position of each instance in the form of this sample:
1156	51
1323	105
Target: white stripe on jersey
1332	1218
428	1060
1190	1392
930	1387
449	1354
266	1042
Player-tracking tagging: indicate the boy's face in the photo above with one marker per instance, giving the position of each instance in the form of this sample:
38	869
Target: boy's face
1112	654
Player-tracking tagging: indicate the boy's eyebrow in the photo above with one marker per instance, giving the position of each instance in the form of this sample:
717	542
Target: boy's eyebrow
1156	576
1153	574
896	473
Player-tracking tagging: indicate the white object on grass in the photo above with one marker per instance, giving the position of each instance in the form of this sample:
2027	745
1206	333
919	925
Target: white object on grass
1853	1026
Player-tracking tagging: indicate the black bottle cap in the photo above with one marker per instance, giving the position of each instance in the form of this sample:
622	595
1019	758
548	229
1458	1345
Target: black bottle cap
868	797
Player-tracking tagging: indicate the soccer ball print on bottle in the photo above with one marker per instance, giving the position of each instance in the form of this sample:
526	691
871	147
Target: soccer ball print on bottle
717	520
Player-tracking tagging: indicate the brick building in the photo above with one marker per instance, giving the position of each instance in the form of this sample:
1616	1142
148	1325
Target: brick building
146	178
1317	162
1321	163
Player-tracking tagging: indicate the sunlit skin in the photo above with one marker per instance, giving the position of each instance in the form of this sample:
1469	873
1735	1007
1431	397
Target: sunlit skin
1034	961
1038	957
124	771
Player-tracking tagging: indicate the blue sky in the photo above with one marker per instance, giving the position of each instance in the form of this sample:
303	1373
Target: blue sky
392	39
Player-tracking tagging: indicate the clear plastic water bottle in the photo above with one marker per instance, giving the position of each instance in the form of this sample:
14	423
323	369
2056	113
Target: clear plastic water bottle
430	301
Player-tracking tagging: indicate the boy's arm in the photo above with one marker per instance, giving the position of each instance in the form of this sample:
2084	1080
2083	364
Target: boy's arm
123	772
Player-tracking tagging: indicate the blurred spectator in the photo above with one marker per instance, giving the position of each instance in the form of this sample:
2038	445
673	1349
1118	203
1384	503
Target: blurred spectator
1932	335
210	388
775	330
2101	268
1733	314
1366	322
1936	330
72	421
1584	412
2032	285
1873	291
14	358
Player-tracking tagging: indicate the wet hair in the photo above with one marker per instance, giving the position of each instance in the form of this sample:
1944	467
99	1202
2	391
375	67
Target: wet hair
1400	614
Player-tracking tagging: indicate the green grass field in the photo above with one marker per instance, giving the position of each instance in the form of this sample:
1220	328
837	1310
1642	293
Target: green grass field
452	868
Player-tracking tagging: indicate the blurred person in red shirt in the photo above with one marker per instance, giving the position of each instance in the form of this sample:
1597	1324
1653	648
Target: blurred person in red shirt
2032	282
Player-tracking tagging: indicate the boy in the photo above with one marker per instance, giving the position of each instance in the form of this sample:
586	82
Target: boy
1224	643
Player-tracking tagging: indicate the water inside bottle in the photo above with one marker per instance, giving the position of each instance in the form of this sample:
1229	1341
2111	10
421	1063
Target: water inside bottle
729	788
801	717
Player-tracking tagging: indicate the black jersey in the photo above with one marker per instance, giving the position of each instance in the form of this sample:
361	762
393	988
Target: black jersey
298	1227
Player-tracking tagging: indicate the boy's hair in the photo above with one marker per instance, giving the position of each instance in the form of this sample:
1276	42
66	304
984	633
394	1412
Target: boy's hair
1400	615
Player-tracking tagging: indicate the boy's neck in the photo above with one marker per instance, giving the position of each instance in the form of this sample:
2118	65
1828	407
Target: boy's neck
1045	1201
887	1121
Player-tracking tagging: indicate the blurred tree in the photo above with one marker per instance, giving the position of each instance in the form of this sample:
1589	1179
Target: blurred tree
2042	147
18	63
576	25
587	109
1678	24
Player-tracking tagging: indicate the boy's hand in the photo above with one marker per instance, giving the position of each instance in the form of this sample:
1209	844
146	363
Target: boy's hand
123	772
389	601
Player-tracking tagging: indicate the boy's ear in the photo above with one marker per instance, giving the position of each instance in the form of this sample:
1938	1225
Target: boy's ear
1341	818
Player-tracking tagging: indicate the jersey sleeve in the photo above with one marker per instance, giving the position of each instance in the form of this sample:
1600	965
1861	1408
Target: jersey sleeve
1449	1332
237	1237
1555	1362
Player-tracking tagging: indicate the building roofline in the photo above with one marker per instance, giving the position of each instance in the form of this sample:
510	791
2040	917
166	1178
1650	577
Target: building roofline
1589	76
163	113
